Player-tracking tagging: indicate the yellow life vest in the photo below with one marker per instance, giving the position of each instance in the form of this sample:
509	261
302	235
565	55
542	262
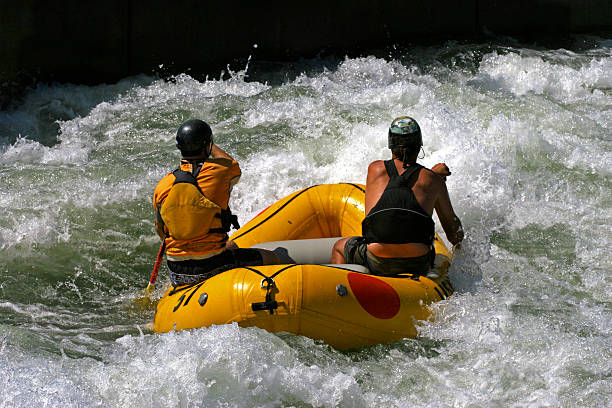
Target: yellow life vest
188	214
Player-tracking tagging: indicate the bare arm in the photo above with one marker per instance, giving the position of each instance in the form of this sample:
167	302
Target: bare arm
375	184
217	153
449	220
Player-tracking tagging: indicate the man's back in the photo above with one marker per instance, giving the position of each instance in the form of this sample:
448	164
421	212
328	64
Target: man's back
430	192
427	187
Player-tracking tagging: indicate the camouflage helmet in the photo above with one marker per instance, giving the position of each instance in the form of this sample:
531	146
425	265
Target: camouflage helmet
405	132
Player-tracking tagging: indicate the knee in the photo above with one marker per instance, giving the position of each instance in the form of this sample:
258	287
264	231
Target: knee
338	251
229	244
339	245
268	257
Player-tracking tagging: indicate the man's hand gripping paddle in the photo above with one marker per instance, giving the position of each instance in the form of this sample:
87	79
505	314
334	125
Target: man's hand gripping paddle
145	302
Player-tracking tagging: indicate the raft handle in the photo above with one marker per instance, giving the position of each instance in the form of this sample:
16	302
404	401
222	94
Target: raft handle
268	283
269	305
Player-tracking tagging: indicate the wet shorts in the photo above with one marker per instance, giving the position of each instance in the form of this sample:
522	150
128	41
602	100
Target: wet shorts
197	270
356	252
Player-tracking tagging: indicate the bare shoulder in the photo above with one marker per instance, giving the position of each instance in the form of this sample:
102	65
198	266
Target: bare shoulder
377	166
376	172
429	177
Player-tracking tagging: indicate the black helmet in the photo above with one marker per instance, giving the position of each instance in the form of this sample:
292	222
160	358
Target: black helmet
192	137
405	132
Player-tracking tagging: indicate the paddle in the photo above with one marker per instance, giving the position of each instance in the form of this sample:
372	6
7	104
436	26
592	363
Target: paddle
158	262
145	302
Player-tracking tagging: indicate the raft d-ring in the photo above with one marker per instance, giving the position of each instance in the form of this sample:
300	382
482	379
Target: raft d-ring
203	298
267	283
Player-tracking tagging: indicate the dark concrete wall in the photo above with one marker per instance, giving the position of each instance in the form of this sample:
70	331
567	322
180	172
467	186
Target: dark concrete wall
91	42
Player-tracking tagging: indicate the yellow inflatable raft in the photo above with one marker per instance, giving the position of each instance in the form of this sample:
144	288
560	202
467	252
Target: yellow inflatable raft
339	304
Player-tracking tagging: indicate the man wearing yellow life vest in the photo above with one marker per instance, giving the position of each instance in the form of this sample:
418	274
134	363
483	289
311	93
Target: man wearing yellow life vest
192	212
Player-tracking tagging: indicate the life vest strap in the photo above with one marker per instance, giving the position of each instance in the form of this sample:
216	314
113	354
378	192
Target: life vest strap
228	220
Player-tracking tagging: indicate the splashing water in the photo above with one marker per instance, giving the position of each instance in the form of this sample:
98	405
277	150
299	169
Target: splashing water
526	133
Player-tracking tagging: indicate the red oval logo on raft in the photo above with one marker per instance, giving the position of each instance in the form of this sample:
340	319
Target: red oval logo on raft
377	297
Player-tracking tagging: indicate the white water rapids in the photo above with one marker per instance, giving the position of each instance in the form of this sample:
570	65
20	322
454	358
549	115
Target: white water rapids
526	133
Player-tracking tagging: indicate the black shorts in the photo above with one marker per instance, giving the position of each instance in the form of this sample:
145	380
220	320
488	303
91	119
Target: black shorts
193	271
356	252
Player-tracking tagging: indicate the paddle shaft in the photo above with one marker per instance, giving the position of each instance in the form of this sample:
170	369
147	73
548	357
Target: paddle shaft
158	262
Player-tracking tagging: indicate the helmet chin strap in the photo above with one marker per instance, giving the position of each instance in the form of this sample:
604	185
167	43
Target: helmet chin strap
422	151
208	150
405	159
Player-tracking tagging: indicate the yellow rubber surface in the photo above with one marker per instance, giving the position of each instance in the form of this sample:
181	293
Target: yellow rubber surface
345	309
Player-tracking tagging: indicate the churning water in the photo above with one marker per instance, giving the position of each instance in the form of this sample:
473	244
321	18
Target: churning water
526	132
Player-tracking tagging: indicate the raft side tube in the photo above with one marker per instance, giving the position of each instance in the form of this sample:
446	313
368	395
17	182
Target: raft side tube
321	211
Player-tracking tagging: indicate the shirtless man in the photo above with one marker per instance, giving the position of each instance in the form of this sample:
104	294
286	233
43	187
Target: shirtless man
400	197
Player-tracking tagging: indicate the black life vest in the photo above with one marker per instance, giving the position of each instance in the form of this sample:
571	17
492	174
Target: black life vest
397	217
